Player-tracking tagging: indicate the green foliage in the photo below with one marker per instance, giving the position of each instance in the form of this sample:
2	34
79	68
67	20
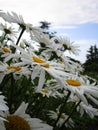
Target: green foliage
45	26
91	64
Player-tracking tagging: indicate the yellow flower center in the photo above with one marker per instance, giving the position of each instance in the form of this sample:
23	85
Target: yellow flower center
62	116
37	59
16	123
41	61
46	65
15	68
6	50
45	91
73	82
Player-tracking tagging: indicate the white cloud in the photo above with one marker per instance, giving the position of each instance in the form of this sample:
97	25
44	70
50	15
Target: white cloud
63	27
55	11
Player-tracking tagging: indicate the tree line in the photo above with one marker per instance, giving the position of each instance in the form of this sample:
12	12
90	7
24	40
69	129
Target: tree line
91	63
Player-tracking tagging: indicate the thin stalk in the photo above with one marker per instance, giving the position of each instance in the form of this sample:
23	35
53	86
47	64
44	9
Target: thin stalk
41	105
11	94
21	33
3	37
63	125
62	107
5	80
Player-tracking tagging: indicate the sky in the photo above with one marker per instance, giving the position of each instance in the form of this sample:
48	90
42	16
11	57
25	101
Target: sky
75	19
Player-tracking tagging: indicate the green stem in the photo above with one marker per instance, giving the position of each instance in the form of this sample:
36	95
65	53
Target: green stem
62	107
3	37
41	105
63	125
11	94
21	33
5	80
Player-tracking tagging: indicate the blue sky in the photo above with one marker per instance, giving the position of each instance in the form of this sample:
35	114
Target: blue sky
84	35
79	31
76	19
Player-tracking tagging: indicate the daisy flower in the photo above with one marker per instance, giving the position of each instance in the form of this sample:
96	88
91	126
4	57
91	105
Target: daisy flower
71	66
53	86
17	71
63	117
18	19
65	42
13	18
82	88
44	92
34	31
82	108
10	32
48	92
89	109
20	120
42	39
3	106
46	42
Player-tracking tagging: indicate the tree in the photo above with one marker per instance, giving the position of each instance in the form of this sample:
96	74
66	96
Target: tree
91	64
93	54
46	25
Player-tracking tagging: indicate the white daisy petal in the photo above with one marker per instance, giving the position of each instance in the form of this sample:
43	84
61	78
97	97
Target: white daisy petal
21	109
41	79
23	120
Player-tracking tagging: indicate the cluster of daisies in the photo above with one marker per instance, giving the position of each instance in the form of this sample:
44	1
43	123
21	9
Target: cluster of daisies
43	61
